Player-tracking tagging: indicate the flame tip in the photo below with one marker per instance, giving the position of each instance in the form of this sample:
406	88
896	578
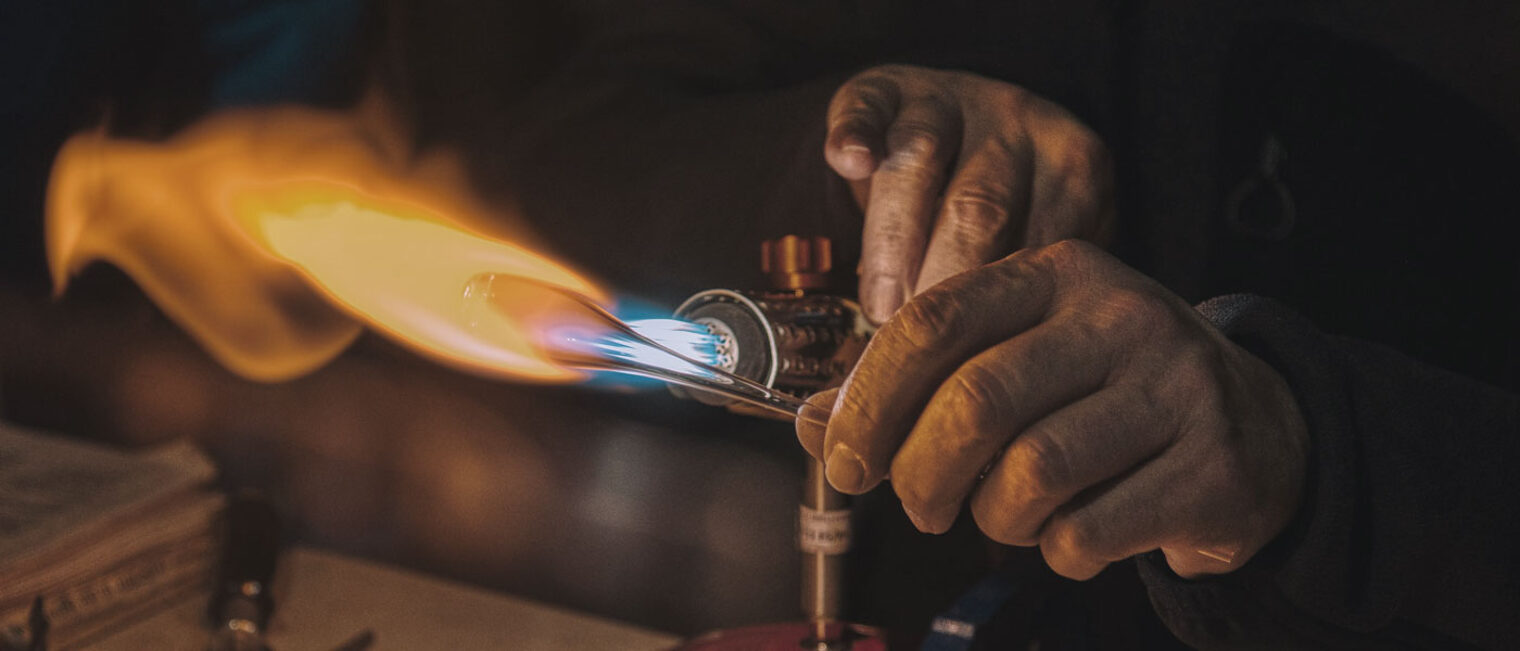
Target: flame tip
220	225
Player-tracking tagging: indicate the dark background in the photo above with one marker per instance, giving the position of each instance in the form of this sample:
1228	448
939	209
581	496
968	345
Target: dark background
654	145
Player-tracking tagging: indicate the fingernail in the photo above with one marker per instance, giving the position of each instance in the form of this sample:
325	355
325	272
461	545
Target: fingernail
855	161
856	149
844	469
880	296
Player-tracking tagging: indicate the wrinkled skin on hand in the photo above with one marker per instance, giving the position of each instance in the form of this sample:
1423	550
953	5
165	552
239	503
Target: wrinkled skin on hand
1109	418
954	170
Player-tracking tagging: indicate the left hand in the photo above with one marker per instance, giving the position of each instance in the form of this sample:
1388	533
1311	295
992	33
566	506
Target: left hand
1111	419
954	170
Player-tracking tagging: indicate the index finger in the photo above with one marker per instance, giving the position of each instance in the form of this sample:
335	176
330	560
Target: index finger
857	122
913	354
921	142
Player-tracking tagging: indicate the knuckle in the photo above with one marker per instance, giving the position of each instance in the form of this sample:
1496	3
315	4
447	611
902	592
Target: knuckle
994	519
1082	537
978	211
888	238
1076	177
1086	158
1198	367
983	390
1196	358
892	247
876	82
1130	304
1097	330
1005	97
1044	465
1083	202
1128	314
1085	176
868	96
928	320
914	143
857	119
1065	255
1073	250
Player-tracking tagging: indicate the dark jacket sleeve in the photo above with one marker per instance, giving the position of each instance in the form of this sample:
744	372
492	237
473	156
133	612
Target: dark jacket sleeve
1406	537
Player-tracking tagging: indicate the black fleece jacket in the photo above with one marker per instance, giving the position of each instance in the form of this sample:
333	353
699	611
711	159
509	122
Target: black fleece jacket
1407	534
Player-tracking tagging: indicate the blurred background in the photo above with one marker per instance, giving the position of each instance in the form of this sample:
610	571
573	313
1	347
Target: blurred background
654	146
636	507
622	502
630	505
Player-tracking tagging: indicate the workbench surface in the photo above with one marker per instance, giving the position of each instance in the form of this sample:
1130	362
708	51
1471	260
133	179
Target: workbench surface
325	599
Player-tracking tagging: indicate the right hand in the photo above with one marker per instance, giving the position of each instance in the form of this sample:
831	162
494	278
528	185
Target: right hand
1074	404
954	170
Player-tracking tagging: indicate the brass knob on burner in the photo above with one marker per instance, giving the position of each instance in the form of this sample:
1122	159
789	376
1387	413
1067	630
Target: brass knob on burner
793	262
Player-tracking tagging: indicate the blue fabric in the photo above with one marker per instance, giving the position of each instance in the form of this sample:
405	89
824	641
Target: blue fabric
956	628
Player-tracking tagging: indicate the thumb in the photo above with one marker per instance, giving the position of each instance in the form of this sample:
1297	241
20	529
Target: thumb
813	420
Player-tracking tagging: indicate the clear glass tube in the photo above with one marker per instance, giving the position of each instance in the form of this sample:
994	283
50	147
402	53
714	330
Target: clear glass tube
628	351
622	347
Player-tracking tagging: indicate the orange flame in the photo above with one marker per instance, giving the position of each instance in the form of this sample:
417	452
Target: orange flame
271	235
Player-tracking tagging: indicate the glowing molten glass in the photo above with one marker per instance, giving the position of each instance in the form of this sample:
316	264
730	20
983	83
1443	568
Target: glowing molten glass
272	235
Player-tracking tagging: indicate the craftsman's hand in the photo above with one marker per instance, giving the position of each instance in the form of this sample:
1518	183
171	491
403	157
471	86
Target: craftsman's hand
1109	417
954	170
